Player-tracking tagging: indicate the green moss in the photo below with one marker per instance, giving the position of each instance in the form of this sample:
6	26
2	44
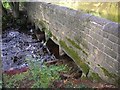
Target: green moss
49	33
95	76
76	45
73	43
85	68
107	73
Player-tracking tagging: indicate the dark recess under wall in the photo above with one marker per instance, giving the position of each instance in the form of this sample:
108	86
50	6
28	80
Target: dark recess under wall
54	48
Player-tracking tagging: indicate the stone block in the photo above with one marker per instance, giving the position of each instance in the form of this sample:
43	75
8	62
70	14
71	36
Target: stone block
110	53
100	46
98	31
100	57
83	17
111	28
86	44
89	38
106	66
90	48
100	21
115	48
119	49
108	43
94	42
112	62
96	36
86	30
105	34
113	38
118	58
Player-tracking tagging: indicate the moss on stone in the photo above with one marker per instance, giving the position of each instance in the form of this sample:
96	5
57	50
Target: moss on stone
73	43
107	73
76	45
95	76
85	68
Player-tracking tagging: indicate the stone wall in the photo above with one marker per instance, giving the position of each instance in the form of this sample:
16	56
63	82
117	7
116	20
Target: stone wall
92	42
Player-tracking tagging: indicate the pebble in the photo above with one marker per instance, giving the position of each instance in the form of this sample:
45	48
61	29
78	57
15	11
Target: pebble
20	45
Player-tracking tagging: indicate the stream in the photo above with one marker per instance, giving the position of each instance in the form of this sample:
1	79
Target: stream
18	45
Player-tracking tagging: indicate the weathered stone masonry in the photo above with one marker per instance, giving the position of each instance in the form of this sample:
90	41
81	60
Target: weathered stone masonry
92	42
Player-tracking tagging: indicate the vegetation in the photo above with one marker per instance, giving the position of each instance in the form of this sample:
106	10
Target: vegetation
39	77
76	45
14	6
47	76
85	68
108	10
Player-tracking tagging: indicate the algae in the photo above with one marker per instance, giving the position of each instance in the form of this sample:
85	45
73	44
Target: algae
85	68
76	45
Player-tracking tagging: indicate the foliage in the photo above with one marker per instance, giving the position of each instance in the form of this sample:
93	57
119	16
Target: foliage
13	81
42	76
6	4
108	10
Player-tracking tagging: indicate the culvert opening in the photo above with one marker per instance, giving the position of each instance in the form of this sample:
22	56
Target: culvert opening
53	48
